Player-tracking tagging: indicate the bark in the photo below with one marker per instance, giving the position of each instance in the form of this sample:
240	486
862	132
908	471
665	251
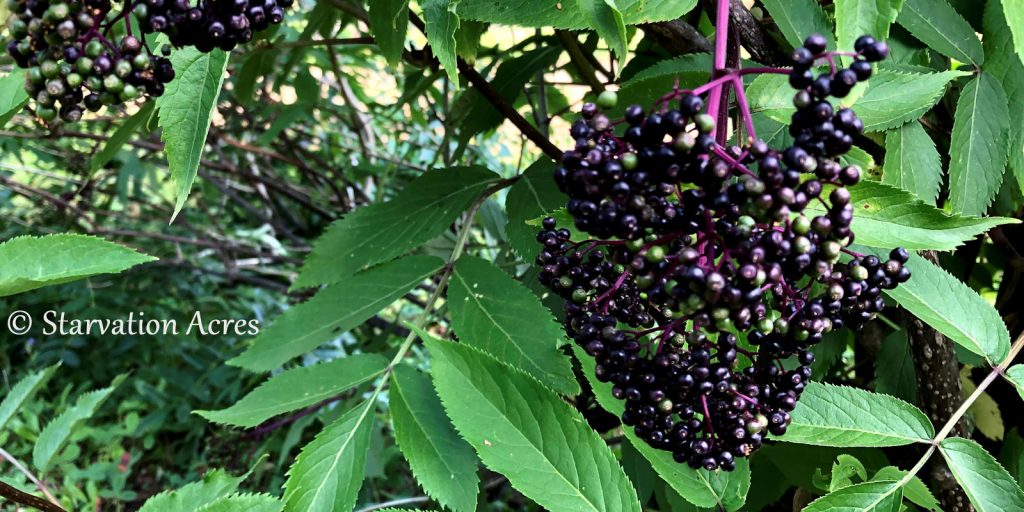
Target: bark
939	395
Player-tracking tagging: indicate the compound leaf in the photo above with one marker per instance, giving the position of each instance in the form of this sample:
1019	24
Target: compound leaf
567	14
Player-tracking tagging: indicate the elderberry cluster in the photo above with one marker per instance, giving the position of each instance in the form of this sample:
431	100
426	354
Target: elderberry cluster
71	67
209	24
712	271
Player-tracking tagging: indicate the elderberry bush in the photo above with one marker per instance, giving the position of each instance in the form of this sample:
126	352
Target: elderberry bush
73	66
713	270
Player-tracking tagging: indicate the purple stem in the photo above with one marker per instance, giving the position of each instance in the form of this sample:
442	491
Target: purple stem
741	100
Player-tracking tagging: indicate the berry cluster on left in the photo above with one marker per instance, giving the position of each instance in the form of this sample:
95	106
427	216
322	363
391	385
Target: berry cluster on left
75	62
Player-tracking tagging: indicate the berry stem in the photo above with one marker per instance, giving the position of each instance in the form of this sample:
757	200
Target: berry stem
741	100
721	41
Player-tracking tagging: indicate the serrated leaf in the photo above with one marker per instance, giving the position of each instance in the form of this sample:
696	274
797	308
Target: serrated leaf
32	262
567	14
1014	12
528	433
117	140
534	195
334	310
798	19
389	23
58	431
328	472
1005	65
298	388
710	489
987	484
893	98
13	97
441	22
887	217
938	25
772	95
912	163
882	496
855	18
650	84
894	368
185	111
244	503
1015	374
497	314
914	490
978	146
380	232
952	308
214	485
844	469
605	17
443	463
830	415
22	391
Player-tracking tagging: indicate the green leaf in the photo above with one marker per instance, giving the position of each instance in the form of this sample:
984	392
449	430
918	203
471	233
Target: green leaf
22	391
298	388
703	488
798	19
887	217
214	485
894	368
650	84
855	18
912	163
605	17
937	24
1015	374
534	195
1002	63
987	484
389	23
772	95
566	14
441	23
244	503
1014	12
12	95
830	415
328	473
914	490
524	431
185	111
121	136
444	464
952	308
334	310
33	262
882	496
893	97
58	431
495	313
1011	454
844	469
978	146
380	232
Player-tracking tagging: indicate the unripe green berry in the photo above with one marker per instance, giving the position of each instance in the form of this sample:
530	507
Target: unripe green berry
607	99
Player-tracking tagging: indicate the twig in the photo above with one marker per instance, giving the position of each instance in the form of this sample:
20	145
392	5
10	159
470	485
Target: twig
24	498
21	467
